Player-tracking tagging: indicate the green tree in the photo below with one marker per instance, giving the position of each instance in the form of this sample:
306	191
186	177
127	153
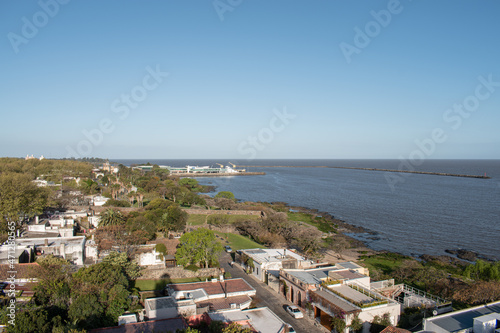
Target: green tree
87	312
338	324
174	219
53	288
123	262
356	324
99	293
146	227
19	196
216	326
190	183
161	248
158	203
116	203
188	330
236	328
199	247
226	195
29	320
111	217
88	186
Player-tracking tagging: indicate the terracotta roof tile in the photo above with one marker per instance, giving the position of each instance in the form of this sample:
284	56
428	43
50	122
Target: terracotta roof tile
392	329
23	271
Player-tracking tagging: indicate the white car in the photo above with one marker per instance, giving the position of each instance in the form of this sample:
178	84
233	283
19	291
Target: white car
294	311
290	328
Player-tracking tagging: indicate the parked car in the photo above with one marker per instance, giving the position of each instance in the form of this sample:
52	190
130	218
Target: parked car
290	328
228	249
294	311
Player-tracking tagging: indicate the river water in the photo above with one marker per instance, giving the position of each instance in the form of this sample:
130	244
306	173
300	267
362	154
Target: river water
409	213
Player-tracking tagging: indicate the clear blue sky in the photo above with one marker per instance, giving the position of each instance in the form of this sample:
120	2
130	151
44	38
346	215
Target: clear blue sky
227	78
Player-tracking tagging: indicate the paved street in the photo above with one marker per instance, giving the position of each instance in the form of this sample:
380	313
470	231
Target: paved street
268	297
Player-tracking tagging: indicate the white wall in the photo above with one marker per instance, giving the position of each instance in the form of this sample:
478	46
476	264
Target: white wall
367	314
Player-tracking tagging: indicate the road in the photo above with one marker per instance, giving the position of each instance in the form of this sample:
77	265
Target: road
268	297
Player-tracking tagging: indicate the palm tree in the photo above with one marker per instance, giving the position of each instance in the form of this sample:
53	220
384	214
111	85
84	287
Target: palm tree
111	217
140	197
115	189
131	197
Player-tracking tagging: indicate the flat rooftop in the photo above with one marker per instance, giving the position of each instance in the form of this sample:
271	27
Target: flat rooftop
53	241
264	320
164	325
261	319
217	304
352	294
317	275
464	319
215	288
332	298
272	255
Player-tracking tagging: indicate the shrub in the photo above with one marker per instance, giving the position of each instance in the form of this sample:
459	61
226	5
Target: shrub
192	268
117	203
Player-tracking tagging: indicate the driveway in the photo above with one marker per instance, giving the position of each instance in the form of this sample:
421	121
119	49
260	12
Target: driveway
268	297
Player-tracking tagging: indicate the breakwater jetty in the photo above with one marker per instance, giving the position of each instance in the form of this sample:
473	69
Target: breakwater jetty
369	169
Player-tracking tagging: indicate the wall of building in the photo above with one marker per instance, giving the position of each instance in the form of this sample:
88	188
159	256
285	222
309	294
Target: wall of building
367	314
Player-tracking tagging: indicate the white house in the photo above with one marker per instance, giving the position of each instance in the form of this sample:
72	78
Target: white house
127	319
99	200
168	307
146	255
272	260
70	248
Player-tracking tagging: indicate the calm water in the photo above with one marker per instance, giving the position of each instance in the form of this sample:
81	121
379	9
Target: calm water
420	214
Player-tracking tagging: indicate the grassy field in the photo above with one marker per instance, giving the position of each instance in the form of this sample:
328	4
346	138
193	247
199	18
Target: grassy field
318	222
238	242
144	285
199	219
387	262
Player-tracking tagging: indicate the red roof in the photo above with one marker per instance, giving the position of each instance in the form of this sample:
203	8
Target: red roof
23	271
392	329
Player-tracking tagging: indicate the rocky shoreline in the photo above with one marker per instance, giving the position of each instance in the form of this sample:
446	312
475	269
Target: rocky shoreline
454	256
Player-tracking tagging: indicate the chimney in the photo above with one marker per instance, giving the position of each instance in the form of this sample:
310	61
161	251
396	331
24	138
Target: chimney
225	289
284	252
36	219
46	242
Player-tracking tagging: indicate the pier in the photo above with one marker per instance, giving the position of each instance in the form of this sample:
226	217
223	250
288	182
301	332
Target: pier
369	169
227	174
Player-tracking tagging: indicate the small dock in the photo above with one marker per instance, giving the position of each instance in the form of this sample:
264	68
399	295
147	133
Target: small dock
226	174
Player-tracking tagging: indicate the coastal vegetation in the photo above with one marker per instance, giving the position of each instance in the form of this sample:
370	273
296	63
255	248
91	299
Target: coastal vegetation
65	300
144	206
465	284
